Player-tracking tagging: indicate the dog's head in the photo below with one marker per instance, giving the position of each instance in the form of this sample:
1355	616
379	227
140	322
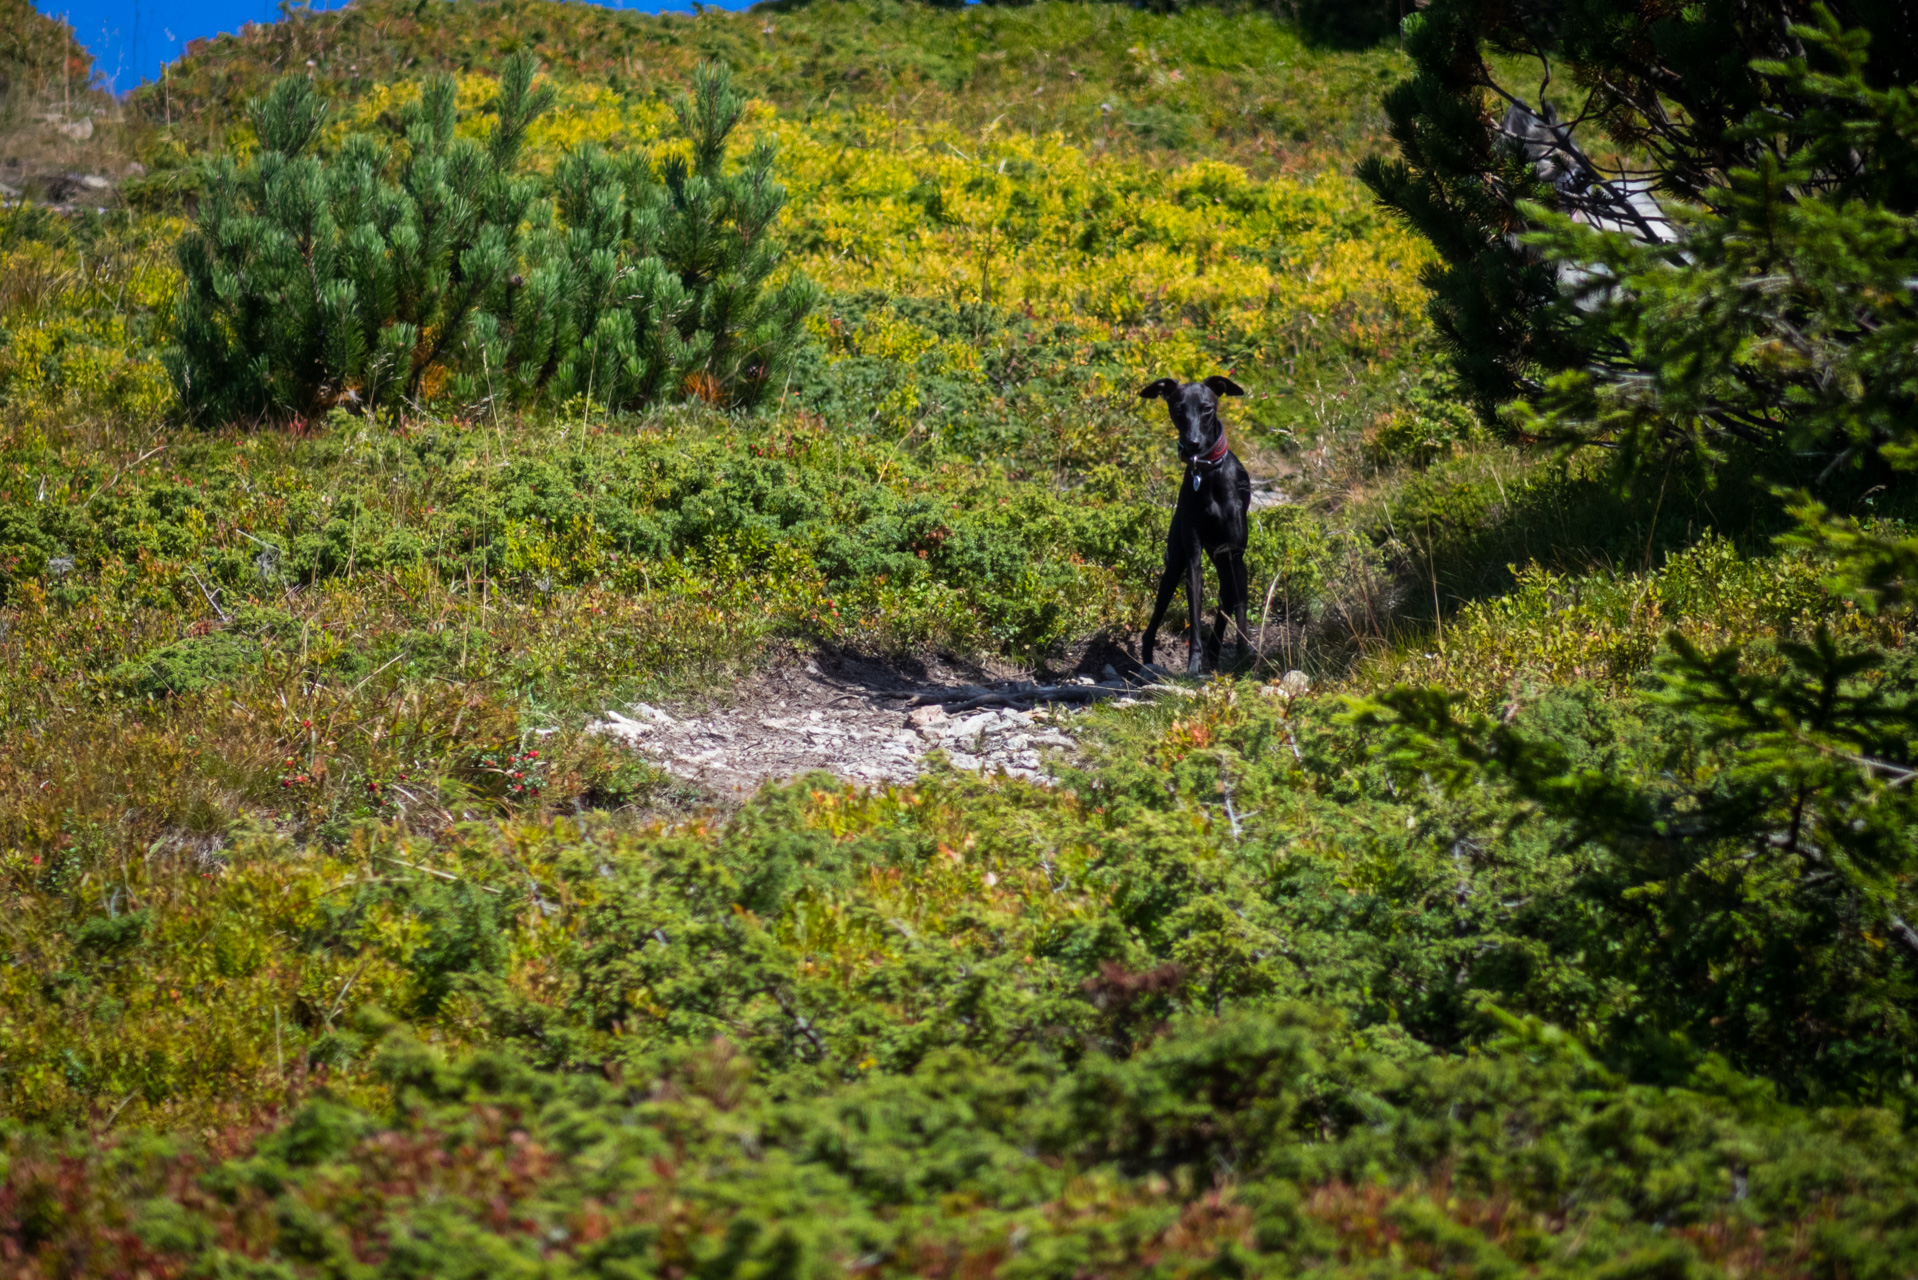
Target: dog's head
1195	410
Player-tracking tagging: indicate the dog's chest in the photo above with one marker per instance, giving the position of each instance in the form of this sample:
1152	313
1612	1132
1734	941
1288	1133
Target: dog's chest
1210	490
1212	511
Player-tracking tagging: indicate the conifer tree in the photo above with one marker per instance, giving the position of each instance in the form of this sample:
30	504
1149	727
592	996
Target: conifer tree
309	280
1784	153
315	279
1784	321
660	283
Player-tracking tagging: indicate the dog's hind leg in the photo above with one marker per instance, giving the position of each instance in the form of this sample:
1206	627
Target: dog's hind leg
1215	634
1195	609
1232	598
1168	583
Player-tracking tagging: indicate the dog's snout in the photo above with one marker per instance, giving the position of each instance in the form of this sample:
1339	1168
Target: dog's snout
1195	435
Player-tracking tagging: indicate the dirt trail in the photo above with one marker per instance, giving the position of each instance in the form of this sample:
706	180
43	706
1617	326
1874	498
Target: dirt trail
863	723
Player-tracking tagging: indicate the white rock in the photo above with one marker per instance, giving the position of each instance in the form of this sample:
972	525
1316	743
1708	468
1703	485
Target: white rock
961	760
922	716
620	727
653	714
971	726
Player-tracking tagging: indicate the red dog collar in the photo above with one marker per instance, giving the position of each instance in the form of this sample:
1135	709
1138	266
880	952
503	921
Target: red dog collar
1219	451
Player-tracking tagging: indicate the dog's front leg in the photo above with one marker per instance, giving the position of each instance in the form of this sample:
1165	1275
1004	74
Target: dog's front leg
1195	609
1168	583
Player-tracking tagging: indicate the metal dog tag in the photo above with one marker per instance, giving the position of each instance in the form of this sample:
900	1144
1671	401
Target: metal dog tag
1195	482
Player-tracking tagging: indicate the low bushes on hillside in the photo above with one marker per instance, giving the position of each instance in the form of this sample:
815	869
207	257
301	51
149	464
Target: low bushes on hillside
1264	1145
336	944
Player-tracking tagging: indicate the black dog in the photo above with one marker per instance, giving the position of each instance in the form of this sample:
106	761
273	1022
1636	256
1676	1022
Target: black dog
1210	519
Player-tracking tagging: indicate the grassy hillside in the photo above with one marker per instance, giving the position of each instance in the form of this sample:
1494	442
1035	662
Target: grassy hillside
1242	85
335	945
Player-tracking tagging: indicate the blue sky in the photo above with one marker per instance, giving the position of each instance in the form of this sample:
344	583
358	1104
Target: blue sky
130	39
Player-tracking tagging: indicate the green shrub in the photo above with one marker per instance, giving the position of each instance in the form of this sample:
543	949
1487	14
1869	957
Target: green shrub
1275	1144
186	667
363	276
1346	24
201	662
309	281
661	286
1754	891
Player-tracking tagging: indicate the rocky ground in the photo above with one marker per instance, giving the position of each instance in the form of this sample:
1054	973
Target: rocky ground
874	723
71	159
866	724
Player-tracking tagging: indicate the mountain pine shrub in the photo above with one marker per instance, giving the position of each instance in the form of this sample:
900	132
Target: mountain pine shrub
660	283
433	264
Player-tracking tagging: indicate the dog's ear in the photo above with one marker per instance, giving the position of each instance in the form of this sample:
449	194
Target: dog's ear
1163	389
1220	385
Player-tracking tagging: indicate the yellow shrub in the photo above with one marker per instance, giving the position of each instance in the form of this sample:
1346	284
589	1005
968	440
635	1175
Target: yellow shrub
1201	258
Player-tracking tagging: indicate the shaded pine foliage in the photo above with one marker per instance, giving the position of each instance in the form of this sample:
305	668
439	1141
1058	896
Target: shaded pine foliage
1748	879
1779	324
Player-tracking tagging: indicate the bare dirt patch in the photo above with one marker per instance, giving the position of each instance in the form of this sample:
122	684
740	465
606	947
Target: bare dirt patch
867	722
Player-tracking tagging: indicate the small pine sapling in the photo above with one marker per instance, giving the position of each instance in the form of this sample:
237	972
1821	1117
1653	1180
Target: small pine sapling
428	264
665	282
